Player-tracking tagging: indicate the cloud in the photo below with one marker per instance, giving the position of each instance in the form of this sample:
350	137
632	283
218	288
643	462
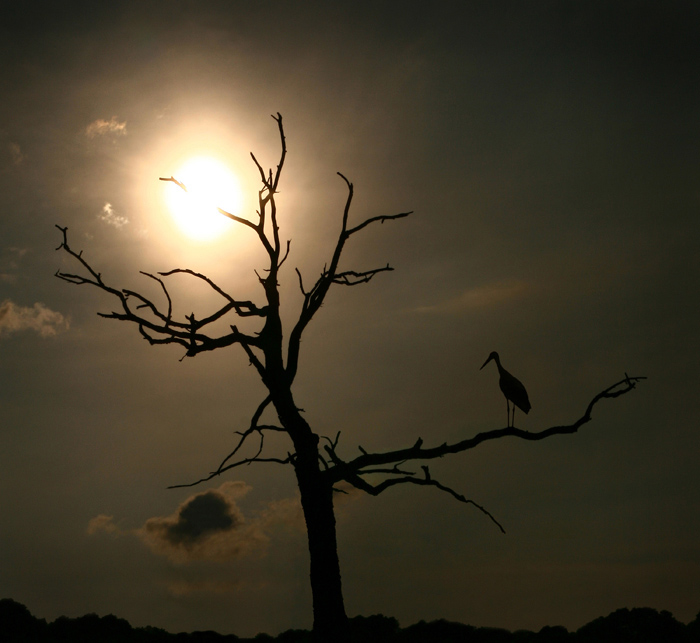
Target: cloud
109	216
197	519
481	297
17	252
101	127
38	318
184	587
9	263
209	526
17	155
206	526
103	523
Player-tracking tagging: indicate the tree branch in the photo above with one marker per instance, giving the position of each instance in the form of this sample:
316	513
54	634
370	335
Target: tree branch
313	299
239	463
381	219
242	308
426	481
233	217
253	428
237	219
172	179
165	291
347	470
352	278
162	329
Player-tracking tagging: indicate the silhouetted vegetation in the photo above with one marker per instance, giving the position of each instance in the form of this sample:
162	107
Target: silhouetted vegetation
639	625
642	625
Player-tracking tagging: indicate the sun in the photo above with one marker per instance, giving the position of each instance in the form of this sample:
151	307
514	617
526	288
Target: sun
210	185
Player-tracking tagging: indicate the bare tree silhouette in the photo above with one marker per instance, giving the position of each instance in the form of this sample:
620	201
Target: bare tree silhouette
315	459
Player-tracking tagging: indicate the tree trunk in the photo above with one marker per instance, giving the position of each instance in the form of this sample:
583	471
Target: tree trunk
330	620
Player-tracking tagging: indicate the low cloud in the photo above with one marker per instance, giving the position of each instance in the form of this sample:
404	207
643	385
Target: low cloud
482	297
199	518
206	526
110	217
209	526
100	127
38	318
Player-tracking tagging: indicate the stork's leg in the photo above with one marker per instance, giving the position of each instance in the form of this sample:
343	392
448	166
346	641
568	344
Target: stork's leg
513	421
507	412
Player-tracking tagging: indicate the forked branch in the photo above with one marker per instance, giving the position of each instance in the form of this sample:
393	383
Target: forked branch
159	327
255	427
426	481
313	298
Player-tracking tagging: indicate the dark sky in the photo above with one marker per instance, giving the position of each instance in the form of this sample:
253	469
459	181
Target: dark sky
551	153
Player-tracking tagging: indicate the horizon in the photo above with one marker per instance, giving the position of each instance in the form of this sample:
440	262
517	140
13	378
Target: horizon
640	613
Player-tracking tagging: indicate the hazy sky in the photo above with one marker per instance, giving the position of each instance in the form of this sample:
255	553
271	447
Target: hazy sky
550	151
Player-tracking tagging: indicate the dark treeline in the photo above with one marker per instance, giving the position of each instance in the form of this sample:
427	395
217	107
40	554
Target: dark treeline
639	625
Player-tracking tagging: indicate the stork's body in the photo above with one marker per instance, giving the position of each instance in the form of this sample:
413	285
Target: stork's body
512	388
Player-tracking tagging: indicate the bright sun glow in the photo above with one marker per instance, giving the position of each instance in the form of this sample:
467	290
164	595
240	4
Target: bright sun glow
210	185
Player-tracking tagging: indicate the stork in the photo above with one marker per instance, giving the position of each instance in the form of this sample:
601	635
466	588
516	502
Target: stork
512	388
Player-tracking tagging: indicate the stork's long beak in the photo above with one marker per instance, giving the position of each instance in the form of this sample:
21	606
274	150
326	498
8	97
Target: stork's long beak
486	362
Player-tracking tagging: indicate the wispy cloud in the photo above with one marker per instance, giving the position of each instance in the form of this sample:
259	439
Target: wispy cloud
183	587
103	523
101	127
208	526
38	318
17	155
17	252
480	297
9	263
110	216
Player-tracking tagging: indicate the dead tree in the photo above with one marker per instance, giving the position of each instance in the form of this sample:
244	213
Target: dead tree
318	466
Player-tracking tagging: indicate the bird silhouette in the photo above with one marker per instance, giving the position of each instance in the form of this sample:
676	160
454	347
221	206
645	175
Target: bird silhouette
512	388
